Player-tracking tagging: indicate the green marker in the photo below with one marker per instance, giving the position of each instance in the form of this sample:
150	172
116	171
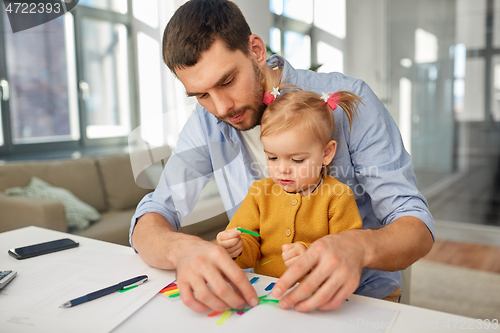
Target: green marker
245	231
267	262
269	300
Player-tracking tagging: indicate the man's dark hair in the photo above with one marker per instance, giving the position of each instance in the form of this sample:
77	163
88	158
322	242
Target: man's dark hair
194	27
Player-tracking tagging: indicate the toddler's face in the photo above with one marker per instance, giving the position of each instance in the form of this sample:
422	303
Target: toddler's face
294	160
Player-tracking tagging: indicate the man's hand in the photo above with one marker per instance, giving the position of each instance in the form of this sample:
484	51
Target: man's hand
231	240
199	264
204	264
336	262
292	252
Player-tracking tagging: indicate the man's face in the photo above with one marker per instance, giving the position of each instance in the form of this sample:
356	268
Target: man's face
227	84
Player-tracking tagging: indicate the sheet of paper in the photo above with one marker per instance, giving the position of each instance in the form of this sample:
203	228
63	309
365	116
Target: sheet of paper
163	313
30	303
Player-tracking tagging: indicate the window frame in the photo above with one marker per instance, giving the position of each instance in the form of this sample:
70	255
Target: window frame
316	34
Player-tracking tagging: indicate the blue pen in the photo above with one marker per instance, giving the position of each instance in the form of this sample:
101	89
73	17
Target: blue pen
106	291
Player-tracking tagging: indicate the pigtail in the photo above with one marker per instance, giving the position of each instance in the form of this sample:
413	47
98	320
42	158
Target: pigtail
348	101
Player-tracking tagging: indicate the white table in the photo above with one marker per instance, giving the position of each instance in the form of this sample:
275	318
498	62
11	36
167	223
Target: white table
409	319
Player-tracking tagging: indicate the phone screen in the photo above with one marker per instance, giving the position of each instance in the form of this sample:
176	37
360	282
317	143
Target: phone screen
43	248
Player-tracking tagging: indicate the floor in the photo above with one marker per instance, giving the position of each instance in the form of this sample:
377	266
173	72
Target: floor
467	255
473	198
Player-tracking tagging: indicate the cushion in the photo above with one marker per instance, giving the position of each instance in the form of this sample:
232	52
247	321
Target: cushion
79	215
119	184
79	176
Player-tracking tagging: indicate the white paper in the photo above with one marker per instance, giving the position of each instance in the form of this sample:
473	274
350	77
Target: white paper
170	314
30	303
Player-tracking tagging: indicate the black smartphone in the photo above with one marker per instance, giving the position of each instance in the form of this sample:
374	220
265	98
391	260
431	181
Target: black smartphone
42	248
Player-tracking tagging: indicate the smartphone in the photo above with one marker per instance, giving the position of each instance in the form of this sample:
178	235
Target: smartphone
42	248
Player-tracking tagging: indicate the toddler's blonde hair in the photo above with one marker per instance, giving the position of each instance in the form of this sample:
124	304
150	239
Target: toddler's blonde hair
297	107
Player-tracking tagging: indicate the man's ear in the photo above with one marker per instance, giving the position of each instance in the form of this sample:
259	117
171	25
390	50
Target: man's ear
329	152
258	49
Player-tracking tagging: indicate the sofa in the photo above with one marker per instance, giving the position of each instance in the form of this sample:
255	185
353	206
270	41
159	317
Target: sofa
103	182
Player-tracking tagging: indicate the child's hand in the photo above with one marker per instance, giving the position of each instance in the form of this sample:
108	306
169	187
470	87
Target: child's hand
231	240
292	252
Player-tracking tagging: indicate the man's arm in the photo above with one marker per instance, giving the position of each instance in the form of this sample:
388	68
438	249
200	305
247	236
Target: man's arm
337	260
198	263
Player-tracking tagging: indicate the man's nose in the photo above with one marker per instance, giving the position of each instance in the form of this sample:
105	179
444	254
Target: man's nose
223	104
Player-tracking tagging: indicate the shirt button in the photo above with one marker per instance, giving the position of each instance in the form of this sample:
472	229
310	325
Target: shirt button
288	232
294	202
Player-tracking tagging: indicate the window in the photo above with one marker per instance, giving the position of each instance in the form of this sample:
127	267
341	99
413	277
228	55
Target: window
39	99
119	6
105	79
1	125
66	84
305	33
298	49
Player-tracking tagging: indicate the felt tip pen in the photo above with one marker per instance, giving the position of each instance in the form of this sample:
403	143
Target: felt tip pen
106	291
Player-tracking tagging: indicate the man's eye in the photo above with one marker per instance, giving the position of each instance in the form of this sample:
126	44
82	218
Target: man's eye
298	161
228	82
202	96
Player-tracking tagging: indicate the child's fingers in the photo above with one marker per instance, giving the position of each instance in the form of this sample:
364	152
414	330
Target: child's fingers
236	249
292	250
228	238
227	244
286	247
289	262
228	234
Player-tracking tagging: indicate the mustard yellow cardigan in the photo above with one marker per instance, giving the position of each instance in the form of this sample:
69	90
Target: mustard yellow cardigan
283	218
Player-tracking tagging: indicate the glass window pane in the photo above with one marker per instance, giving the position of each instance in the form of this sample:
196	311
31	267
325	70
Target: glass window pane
496	23
148	50
119	6
301	10
105	88
325	10
1	125
426	46
495	103
41	105
275	40
298	49
473	91
146	11
331	58
276	6
470	24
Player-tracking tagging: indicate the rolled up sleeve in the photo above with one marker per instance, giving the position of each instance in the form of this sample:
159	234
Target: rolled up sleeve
185	174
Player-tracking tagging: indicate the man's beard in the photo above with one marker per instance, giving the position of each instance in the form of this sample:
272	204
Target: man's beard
257	108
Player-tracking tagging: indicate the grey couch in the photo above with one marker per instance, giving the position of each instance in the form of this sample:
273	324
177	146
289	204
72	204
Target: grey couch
106	183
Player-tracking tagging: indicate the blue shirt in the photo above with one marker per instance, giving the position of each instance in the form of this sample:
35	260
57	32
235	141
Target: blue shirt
370	159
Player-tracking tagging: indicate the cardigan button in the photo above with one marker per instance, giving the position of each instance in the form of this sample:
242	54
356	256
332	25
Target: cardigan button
288	232
294	201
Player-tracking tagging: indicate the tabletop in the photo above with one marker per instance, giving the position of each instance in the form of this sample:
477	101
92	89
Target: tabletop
359	314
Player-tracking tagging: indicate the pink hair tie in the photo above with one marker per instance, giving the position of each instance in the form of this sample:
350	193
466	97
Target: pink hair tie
333	100
270	96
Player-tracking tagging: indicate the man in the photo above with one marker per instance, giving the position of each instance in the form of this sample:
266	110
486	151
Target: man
210	48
